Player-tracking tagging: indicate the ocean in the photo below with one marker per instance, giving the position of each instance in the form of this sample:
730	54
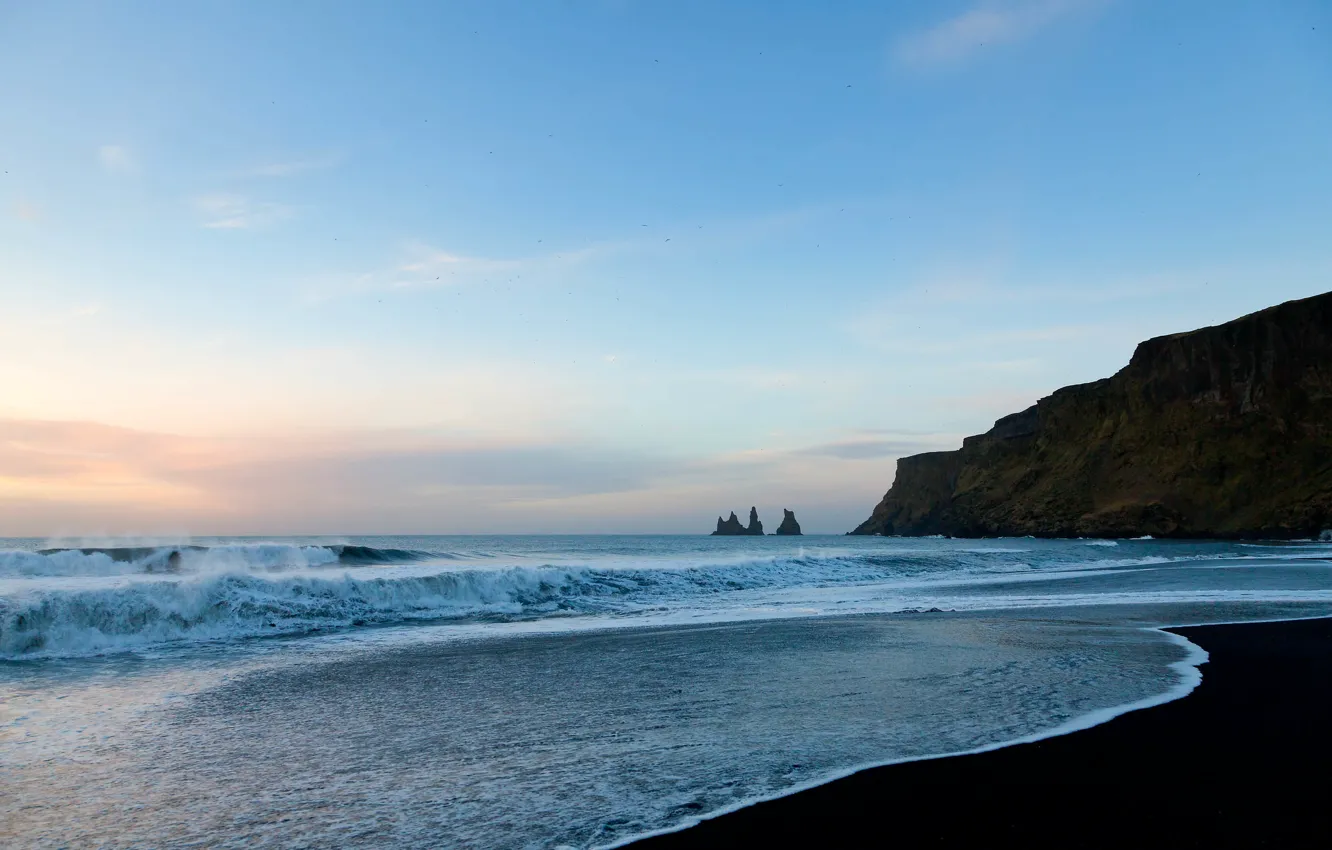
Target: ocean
562	691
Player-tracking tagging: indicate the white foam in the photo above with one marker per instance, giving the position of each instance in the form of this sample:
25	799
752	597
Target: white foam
1189	677
136	613
67	563
86	603
213	559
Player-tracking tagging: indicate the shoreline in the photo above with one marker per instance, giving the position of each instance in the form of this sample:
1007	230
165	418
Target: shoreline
1242	745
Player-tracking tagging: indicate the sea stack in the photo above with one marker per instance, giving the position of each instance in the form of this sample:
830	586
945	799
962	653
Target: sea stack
789	524
731	527
1220	432
755	527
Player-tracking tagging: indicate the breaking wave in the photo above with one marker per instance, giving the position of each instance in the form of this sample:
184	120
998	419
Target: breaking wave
130	560
68	602
56	620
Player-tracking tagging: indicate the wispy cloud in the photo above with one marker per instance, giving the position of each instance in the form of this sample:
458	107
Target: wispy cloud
986	25
290	167
424	266
921	318
116	159
119	476
82	477
226	211
862	448
932	334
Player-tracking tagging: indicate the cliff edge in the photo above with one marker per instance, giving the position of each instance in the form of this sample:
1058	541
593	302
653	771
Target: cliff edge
1224	431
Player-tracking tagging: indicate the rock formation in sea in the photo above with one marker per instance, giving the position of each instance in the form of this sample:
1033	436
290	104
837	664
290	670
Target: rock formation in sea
729	526
732	527
789	524
1220	432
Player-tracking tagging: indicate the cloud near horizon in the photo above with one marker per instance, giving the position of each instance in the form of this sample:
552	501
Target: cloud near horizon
987	24
80	478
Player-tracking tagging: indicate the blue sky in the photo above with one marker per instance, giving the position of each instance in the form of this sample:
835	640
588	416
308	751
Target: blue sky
620	266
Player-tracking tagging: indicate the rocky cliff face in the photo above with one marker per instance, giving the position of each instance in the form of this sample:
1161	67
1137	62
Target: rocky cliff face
1221	432
789	524
731	527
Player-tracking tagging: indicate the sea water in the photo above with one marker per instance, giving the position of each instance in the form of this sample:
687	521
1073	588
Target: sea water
565	690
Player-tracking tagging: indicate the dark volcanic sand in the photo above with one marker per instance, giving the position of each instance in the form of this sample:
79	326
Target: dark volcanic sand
1244	760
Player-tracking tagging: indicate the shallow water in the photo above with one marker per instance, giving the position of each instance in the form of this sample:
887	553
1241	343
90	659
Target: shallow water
575	691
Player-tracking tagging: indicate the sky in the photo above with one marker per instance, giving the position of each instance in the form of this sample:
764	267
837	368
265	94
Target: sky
609	265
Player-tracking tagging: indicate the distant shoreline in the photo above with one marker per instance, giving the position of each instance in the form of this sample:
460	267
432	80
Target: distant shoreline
1232	763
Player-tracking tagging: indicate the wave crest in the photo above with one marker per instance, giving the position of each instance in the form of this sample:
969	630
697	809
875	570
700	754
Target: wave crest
64	621
77	622
241	557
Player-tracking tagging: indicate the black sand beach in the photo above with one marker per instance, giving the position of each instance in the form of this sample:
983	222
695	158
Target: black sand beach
1241	761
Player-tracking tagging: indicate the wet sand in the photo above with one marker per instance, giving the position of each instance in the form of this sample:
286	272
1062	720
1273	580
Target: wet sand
1244	760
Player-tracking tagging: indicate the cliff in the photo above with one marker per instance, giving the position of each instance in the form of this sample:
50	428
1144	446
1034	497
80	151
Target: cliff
789	524
732	528
1220	432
